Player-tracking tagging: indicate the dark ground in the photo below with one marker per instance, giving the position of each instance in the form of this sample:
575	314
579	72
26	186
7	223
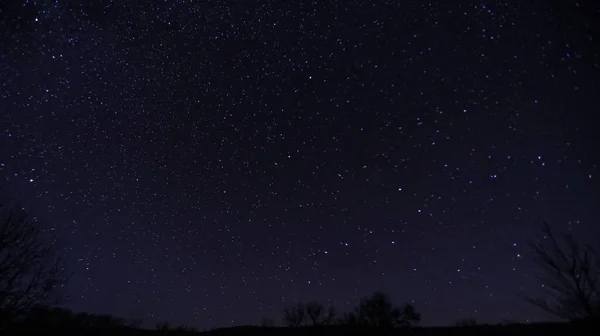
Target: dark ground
515	329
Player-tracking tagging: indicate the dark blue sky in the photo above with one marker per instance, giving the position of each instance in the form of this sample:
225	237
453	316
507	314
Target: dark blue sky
207	162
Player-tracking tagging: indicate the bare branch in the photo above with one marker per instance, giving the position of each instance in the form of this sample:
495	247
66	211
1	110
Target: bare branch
31	269
571	277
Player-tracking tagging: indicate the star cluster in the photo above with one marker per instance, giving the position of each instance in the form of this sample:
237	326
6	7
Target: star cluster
207	162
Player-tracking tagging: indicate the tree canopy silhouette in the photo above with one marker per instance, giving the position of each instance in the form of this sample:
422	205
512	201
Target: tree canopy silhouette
312	312
294	315
31	269
318	314
378	311
571	277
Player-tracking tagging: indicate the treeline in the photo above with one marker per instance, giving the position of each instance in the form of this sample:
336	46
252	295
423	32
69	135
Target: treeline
58	318
32	274
376	311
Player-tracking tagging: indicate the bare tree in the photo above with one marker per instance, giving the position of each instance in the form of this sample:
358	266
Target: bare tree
295	315
330	317
31	268
315	311
571	277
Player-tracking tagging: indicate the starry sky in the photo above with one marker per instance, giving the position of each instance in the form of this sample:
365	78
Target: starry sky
208	162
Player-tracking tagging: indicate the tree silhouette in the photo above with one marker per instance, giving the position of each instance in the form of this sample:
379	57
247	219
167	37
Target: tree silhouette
571	277
314	311
318	314
295	315
31	269
409	315
378	311
330	317
300	313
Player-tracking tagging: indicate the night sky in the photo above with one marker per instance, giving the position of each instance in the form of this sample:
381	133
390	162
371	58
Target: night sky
208	162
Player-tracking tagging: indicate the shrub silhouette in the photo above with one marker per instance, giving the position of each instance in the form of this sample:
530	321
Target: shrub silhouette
571	277
31	268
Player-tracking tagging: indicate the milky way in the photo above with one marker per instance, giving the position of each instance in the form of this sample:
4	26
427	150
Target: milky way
208	162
